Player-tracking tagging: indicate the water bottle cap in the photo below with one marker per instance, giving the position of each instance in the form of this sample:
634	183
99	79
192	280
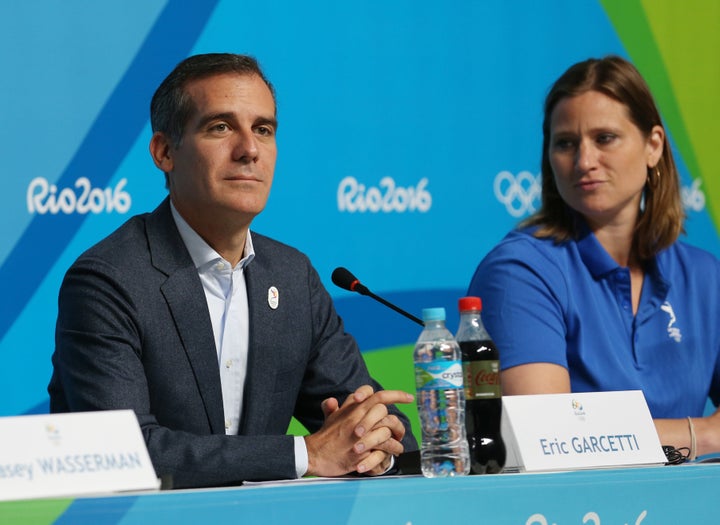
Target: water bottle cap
433	314
467	304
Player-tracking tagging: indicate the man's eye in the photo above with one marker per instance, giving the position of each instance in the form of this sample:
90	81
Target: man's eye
605	138
221	126
264	130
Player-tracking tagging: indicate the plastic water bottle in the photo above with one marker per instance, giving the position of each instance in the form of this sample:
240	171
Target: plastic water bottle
440	399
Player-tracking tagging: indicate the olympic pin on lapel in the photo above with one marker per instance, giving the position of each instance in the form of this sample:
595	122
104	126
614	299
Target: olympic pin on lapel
273	297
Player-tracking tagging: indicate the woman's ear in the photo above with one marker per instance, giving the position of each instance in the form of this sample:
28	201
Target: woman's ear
655	146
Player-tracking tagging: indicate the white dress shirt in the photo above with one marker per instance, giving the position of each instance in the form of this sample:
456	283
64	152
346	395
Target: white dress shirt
226	295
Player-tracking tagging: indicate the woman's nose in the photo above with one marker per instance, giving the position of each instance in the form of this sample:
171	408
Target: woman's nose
585	157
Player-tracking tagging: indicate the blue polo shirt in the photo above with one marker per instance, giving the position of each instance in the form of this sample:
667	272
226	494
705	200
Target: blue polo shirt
570	304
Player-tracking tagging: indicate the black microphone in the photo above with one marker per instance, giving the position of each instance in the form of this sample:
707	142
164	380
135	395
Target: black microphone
343	278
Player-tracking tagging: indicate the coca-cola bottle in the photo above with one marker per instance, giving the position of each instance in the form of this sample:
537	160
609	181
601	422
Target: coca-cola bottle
483	398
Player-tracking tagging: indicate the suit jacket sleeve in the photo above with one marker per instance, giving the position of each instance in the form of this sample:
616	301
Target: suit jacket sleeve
133	331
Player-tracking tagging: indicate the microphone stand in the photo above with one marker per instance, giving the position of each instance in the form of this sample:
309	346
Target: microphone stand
364	291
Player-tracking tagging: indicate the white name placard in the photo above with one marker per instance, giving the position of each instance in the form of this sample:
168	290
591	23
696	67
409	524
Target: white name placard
73	454
583	430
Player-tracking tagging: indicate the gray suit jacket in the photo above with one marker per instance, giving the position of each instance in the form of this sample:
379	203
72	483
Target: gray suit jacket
133	331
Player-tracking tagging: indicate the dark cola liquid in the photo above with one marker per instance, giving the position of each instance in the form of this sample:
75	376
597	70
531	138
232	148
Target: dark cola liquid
483	406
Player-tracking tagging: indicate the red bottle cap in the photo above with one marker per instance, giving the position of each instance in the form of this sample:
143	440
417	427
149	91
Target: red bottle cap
467	304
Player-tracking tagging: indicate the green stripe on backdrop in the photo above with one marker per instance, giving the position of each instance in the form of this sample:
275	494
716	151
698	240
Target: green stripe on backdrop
32	512
675	45
688	36
393	369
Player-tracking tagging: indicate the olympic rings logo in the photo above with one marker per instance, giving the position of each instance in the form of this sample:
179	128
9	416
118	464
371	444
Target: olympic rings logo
519	193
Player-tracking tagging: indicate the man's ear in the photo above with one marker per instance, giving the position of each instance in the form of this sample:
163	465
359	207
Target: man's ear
160	150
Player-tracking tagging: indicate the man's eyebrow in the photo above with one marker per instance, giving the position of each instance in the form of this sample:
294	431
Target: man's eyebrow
230	117
267	121
210	117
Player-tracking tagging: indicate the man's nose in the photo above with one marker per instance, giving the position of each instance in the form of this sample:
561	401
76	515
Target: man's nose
245	148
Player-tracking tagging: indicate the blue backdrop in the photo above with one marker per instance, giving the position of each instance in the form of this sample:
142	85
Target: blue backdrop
409	141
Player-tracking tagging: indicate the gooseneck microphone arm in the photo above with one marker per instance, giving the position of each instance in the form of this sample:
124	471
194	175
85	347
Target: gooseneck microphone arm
347	281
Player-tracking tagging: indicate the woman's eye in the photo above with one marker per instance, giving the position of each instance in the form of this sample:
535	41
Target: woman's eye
605	138
563	144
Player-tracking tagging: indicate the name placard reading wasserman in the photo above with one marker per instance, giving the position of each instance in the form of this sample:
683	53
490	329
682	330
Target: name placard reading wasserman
583	430
73	454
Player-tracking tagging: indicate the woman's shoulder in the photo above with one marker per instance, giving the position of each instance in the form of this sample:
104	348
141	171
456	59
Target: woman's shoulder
682	256
682	250
522	245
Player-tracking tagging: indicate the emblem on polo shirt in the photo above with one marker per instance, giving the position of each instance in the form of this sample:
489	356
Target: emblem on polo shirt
273	297
673	331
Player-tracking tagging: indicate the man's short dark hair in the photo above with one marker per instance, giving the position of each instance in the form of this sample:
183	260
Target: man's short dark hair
171	107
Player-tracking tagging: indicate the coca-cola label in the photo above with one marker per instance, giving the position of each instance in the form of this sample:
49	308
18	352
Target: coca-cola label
482	379
438	375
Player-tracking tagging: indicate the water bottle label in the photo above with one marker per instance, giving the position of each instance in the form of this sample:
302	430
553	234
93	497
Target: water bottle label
482	379
438	375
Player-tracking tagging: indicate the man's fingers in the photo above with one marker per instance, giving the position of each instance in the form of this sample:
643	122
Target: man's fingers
374	464
329	406
392	422
392	397
365	394
372	440
375	414
376	411
357	435
362	393
380	439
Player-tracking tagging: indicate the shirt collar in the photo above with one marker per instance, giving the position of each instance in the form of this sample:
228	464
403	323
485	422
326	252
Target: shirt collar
595	257
201	252
599	262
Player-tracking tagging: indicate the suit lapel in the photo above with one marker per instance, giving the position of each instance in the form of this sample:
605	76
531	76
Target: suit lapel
185	297
260	380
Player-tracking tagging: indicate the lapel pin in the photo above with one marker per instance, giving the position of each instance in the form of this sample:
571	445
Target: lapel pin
273	297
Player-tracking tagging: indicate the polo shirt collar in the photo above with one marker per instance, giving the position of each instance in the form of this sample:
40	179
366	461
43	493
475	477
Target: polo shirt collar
600	264
593	255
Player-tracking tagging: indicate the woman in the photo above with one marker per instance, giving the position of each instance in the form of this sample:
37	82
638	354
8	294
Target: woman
595	292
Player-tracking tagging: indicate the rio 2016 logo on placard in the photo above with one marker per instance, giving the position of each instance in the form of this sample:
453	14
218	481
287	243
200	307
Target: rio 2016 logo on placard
353	196
43	197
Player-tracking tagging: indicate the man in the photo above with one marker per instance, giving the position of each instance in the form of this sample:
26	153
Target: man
214	336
